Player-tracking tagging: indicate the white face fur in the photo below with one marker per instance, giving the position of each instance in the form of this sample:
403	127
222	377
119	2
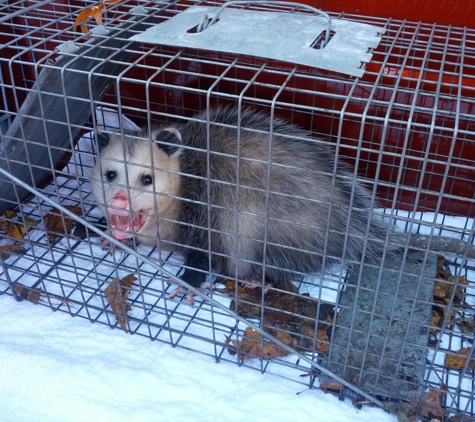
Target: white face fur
134	189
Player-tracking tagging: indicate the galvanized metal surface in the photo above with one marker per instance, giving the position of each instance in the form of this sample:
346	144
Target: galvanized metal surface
273	35
382	333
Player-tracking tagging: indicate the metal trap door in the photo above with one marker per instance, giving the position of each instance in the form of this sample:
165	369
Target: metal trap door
381	340
301	38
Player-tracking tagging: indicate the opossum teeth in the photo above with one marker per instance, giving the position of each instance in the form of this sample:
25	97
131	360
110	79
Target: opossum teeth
122	227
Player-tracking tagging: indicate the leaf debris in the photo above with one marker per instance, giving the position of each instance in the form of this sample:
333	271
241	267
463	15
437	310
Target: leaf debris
454	312
117	293
253	345
32	295
459	359
58	225
14	227
95	12
7	250
431	404
287	316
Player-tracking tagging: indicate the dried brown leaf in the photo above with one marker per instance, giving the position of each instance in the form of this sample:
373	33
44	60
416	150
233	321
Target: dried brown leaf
461	322
21	290
54	222
251	346
331	386
431	405
89	12
229	286
284	311
95	12
30	222
230	346
14	230
458	360
444	288
284	337
441	289
323	346
435	321
443	270
6	250
4	221
117	293
32	295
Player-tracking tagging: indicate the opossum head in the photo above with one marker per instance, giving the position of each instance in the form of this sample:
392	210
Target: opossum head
135	181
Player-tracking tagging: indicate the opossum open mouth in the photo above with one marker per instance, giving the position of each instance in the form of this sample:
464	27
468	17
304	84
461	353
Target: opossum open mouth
121	223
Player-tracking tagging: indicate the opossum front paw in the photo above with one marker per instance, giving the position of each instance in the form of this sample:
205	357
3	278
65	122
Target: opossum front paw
189	294
255	283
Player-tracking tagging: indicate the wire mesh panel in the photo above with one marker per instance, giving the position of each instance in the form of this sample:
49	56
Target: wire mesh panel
392	155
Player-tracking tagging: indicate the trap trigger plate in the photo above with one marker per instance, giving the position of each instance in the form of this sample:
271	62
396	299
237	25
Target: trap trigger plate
273	35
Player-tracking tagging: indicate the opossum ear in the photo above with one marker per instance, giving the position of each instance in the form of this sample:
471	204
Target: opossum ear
102	140
169	140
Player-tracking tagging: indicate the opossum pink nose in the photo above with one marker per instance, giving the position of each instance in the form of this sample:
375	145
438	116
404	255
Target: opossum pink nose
122	194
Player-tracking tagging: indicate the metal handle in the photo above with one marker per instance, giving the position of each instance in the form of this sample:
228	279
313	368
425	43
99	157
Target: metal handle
206	23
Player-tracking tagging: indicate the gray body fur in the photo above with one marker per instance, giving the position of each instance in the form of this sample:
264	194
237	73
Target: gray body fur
295	217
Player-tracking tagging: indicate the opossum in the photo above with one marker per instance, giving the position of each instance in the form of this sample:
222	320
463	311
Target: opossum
234	199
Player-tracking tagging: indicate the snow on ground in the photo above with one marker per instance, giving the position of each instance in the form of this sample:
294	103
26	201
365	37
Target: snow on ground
57	368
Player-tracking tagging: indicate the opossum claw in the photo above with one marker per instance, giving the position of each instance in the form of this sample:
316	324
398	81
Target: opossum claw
255	283
189	294
207	285
182	290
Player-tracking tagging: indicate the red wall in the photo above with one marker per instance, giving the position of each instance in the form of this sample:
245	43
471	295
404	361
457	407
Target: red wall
442	12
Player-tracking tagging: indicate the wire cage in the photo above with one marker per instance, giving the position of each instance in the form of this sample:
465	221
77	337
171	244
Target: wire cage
396	331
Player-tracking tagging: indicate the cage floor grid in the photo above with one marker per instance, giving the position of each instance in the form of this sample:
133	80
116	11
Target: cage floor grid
74	284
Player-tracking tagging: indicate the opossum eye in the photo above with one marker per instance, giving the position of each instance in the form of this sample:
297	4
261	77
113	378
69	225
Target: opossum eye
147	179
110	175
